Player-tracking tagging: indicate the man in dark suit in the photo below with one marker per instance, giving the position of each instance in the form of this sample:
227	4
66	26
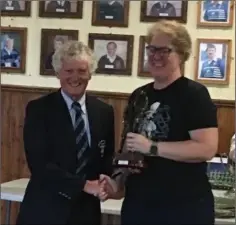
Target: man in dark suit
57	43
163	8
10	5
69	144
59	6
110	10
111	60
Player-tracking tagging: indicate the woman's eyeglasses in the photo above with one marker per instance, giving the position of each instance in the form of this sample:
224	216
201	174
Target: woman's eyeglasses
162	51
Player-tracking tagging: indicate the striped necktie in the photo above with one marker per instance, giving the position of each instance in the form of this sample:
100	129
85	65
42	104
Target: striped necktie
82	144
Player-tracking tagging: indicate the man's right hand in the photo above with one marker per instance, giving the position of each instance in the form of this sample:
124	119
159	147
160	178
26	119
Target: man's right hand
92	187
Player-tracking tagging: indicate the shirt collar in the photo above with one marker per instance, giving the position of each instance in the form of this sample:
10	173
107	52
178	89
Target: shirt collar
111	3
111	58
69	101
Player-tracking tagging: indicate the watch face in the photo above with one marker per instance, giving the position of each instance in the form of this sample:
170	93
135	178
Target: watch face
153	150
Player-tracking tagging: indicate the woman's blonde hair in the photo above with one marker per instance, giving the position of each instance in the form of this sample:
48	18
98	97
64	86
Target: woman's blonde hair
74	50
180	38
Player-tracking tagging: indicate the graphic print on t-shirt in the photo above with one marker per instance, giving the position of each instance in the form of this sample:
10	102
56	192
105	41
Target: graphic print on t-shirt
155	124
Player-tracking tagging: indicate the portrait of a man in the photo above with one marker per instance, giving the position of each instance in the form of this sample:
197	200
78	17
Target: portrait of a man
61	8
58	6
212	61
51	40
215	11
111	54
10	50
15	5
112	10
57	42
164	8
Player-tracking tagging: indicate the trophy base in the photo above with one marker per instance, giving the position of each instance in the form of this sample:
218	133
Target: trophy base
129	160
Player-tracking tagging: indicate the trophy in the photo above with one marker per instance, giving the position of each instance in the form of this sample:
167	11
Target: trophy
133	118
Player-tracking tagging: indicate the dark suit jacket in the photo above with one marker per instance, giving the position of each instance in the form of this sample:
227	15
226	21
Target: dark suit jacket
117	64
157	10
48	62
116	10
53	5
15	5
55	193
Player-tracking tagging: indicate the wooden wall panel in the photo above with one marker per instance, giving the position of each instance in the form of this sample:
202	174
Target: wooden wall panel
14	100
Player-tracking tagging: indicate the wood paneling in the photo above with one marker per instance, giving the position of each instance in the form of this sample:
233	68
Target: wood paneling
14	100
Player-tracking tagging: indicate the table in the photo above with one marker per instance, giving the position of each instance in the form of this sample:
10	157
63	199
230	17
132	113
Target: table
14	191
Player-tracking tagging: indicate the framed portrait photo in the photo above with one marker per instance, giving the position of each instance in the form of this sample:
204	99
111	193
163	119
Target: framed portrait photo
213	61
15	8
110	13
13	49
151	11
143	59
215	13
61	9
114	53
51	39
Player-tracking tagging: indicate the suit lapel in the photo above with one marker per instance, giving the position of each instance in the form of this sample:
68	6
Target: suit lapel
64	121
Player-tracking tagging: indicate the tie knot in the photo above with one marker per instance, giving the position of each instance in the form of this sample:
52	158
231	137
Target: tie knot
76	106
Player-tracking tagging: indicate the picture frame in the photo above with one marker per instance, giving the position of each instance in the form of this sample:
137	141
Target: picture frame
213	61
142	60
114	53
208	13
115	15
15	8
151	11
50	40
13	40
70	9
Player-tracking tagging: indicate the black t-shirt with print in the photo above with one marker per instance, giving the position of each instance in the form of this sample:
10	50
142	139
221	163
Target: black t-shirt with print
183	106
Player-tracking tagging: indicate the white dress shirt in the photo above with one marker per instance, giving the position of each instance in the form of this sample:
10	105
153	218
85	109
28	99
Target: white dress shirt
69	101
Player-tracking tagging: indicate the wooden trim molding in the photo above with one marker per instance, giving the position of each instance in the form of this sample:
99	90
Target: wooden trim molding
101	94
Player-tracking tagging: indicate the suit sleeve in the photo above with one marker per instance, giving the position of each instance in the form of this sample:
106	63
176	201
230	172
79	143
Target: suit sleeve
40	163
107	167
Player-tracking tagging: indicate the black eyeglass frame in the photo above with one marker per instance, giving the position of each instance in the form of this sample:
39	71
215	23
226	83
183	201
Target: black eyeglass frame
155	49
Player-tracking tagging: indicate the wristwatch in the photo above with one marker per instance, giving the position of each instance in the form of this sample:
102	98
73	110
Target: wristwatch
153	150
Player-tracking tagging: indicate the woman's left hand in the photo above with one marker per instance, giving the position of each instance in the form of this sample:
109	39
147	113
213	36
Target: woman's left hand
138	143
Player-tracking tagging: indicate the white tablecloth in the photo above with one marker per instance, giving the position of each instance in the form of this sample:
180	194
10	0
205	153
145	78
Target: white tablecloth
15	190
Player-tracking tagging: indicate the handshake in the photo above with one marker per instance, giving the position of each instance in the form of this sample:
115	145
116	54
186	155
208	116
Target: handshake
103	188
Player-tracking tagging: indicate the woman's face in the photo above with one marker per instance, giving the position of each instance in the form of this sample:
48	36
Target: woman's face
162	58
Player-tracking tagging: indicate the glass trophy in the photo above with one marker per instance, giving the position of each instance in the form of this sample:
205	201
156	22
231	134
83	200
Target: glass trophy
133	118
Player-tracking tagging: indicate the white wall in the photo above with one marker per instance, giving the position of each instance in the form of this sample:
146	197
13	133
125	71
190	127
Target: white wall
108	83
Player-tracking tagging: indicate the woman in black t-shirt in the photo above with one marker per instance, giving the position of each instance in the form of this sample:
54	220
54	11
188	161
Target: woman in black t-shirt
178	135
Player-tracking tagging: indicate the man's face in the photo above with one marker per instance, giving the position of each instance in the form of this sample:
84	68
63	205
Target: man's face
74	77
57	45
211	53
9	43
111	50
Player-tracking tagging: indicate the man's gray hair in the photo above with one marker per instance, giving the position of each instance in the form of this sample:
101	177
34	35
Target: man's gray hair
74	50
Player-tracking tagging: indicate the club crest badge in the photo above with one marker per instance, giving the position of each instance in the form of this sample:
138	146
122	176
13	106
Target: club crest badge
102	146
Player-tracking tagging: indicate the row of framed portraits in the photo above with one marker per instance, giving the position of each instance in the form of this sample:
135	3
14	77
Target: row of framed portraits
114	54
115	13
